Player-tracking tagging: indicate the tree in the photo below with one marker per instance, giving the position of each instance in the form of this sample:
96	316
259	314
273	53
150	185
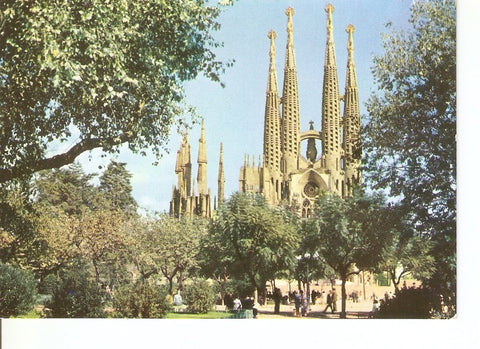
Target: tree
410	135
259	241
17	227
199	296
408	255
68	189
17	291
142	299
350	234
76	294
97	74
168	246
75	218
116	187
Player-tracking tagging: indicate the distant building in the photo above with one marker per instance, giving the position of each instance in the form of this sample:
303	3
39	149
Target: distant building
185	198
286	176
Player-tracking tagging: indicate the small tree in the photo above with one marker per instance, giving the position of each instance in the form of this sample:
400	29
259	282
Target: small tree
17	291
199	297
257	240
142	299
168	246
349	234
77	295
408	255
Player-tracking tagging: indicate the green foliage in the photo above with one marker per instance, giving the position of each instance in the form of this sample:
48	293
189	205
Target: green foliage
411	303
68	189
116	187
251	239
199	296
17	227
76	294
349	234
168	246
409	255
410	136
47	285
77	218
17	291
142	299
352	231
98	75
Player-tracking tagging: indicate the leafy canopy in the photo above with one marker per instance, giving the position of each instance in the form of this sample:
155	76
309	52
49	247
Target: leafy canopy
410	136
256	241
96	73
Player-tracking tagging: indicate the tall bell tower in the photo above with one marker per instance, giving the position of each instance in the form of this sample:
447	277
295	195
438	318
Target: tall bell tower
288	177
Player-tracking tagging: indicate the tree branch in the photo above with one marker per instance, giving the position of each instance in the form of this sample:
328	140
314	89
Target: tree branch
55	161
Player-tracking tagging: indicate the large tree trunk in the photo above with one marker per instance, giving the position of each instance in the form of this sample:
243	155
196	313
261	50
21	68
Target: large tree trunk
343	314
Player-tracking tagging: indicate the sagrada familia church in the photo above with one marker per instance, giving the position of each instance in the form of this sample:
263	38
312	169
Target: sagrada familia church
286	176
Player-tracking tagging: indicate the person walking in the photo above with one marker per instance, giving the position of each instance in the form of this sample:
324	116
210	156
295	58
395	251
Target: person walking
329	302
277	298
304	300
334	301
298	300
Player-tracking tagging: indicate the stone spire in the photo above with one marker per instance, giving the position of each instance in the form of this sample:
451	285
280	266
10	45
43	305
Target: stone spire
331	101
202	163
290	109
271	136
183	166
351	116
221	178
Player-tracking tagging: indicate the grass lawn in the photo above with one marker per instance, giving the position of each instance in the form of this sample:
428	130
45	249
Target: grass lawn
209	315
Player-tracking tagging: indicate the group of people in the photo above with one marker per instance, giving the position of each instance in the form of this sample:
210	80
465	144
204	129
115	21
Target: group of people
246	303
331	301
301	301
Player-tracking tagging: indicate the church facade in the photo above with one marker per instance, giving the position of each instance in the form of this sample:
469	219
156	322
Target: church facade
286	176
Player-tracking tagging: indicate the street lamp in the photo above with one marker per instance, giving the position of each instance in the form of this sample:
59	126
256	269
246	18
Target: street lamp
307	257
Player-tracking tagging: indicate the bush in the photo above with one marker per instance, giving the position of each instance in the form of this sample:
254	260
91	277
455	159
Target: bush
17	291
140	300
411	303
199	297
76	295
47	284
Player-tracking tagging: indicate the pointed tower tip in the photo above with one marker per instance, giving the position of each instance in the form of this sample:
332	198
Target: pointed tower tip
329	9
272	35
290	11
350	30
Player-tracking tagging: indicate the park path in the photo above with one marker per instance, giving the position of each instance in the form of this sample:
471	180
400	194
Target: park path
354	311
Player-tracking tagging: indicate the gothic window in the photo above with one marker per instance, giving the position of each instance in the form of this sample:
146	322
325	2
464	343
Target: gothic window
310	190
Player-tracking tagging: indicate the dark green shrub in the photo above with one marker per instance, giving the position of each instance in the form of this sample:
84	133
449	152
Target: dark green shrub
199	297
17	291
411	303
47	285
140	300
77	295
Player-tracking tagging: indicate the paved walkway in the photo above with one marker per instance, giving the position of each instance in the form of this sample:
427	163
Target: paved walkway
354	311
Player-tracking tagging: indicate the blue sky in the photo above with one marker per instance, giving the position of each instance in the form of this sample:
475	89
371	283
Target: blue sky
234	114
